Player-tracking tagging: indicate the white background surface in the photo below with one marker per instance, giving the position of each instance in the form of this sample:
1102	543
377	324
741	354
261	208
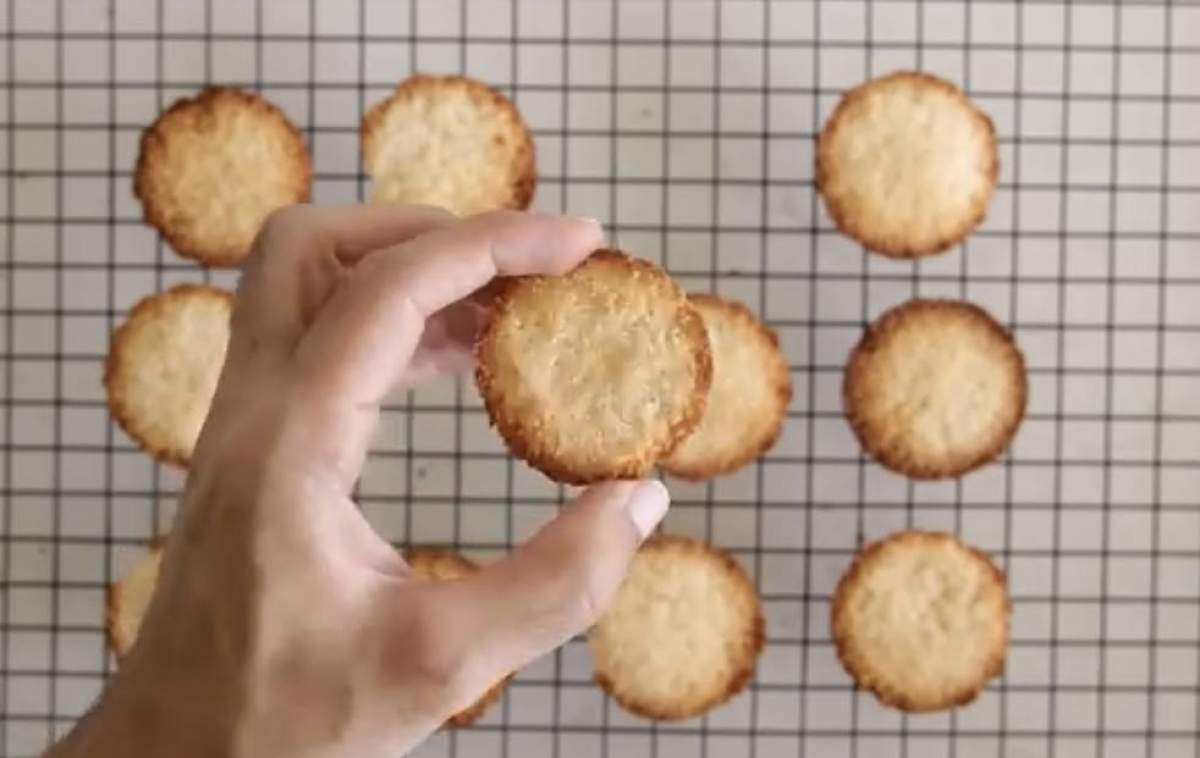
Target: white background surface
688	130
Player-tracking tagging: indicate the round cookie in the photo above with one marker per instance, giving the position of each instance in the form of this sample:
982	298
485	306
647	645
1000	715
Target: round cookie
907	164
935	388
595	374
212	168
163	365
921	620
441	565
452	142
748	399
128	599
683	633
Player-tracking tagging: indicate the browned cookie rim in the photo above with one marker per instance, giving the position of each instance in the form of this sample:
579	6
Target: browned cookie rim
150	150
743	673
826	166
113	638
524	167
781	384
117	359
859	667
522	439
902	458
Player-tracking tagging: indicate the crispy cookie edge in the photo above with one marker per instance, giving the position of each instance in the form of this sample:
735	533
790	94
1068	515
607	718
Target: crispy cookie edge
865	674
748	651
901	458
826	166
781	385
523	172
118	645
148	308
523	442
151	151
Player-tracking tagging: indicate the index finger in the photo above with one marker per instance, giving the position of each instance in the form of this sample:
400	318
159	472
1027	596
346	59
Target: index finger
365	335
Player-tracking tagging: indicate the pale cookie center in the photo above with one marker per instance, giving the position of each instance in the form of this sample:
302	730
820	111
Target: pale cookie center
179	358
739	398
229	176
442	152
926	617
945	390
587	369
911	157
684	613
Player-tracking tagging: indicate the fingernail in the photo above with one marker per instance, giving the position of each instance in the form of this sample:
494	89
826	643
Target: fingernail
647	506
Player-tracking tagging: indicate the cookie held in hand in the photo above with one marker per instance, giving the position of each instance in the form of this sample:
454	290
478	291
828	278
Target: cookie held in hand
921	620
595	374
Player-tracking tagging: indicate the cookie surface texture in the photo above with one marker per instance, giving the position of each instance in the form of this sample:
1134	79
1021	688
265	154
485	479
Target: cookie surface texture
212	168
128	599
683	633
595	374
921	620
935	389
748	399
907	164
452	142
441	565
163	365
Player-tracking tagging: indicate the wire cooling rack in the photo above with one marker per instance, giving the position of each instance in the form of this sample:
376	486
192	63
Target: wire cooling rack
688	129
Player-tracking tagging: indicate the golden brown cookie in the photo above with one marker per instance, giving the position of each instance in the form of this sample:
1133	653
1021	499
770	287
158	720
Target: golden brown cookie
128	599
211	169
595	374
935	388
907	164
163	365
747	403
683	633
437	564
452	142
921	620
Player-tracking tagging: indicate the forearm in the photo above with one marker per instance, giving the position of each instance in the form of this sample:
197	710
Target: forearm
122	725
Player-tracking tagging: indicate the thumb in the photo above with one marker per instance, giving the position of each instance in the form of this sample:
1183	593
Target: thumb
559	583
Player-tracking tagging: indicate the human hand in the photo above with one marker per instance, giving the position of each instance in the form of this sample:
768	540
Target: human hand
282	623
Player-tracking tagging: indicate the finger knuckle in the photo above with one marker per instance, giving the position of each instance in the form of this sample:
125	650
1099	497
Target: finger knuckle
438	658
585	588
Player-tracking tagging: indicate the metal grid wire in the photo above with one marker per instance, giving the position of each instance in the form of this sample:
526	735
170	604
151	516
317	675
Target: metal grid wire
688	129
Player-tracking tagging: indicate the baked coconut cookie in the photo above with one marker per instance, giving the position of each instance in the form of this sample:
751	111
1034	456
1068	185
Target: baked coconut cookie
451	142
907	164
935	389
128	599
921	620
441	565
683	633
748	399
163	365
596	374
211	169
